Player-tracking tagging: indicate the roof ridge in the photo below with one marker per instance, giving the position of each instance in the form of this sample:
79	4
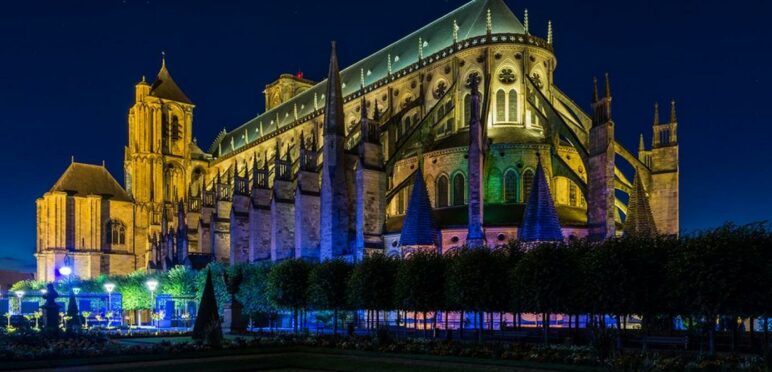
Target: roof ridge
405	54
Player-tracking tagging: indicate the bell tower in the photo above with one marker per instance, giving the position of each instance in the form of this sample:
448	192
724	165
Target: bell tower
157	163
665	174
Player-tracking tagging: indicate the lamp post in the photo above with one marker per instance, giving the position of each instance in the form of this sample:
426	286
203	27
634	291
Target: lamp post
152	285
109	287
19	295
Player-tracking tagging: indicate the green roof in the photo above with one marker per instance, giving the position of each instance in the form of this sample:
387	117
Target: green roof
471	19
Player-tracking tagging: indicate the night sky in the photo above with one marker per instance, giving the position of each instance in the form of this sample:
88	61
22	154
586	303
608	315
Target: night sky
68	70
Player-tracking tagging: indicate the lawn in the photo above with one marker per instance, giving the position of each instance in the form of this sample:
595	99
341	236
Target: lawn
285	358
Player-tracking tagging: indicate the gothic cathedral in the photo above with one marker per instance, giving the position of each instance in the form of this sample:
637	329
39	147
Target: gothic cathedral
455	135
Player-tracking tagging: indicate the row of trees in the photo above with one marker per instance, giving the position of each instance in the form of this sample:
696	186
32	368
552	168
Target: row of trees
720	272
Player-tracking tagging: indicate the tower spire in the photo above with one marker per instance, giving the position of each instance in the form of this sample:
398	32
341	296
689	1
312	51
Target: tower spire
594	89
608	86
549	32
641	144
525	21
333	121
163	60
656	114
673	118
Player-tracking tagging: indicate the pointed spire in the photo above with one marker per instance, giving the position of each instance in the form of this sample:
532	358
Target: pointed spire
236	168
163	60
641	144
639	220
540	220
673	117
488	22
333	101
376	112
608	87
549	32
418	227
363	109
455	31
525	21
362	78
594	89
302	141
420	49
656	114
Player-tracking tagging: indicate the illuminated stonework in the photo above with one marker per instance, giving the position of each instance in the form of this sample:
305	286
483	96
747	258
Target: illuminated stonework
259	193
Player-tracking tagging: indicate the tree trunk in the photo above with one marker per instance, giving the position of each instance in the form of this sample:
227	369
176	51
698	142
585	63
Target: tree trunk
447	330
481	328
711	335
766	332
545	323
461	325
434	325
335	321
425	330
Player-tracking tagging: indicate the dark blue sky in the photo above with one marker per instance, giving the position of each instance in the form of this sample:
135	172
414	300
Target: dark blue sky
68	70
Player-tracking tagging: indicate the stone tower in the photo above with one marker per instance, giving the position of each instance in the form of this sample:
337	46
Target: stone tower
600	178
157	159
664	174
334	221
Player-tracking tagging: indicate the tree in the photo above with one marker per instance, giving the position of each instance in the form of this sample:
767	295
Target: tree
372	282
467	286
327	290
134	293
288	285
540	281
420	283
180	281
72	311
253	293
207	328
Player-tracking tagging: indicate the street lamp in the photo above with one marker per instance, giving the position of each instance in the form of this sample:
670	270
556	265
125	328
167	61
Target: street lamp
19	295
152	285
65	270
109	287
76	290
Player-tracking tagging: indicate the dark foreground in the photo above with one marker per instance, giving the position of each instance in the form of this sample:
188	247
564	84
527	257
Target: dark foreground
290	359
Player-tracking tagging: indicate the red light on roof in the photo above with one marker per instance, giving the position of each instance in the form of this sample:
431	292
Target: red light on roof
299	75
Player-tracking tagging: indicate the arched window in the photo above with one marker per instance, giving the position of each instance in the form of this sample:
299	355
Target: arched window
510	186
467	110
501	106
116	233
527	183
512	103
458	189
442	191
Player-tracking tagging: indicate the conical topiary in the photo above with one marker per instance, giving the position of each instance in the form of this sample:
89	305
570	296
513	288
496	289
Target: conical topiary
73	325
51	310
207	328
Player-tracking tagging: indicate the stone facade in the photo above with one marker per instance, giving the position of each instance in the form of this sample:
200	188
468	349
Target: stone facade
266	191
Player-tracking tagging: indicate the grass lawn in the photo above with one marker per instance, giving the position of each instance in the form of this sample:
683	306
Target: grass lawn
286	358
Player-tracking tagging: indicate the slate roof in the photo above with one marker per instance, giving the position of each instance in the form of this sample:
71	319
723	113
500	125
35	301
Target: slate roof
165	87
540	220
437	35
419	227
88	179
